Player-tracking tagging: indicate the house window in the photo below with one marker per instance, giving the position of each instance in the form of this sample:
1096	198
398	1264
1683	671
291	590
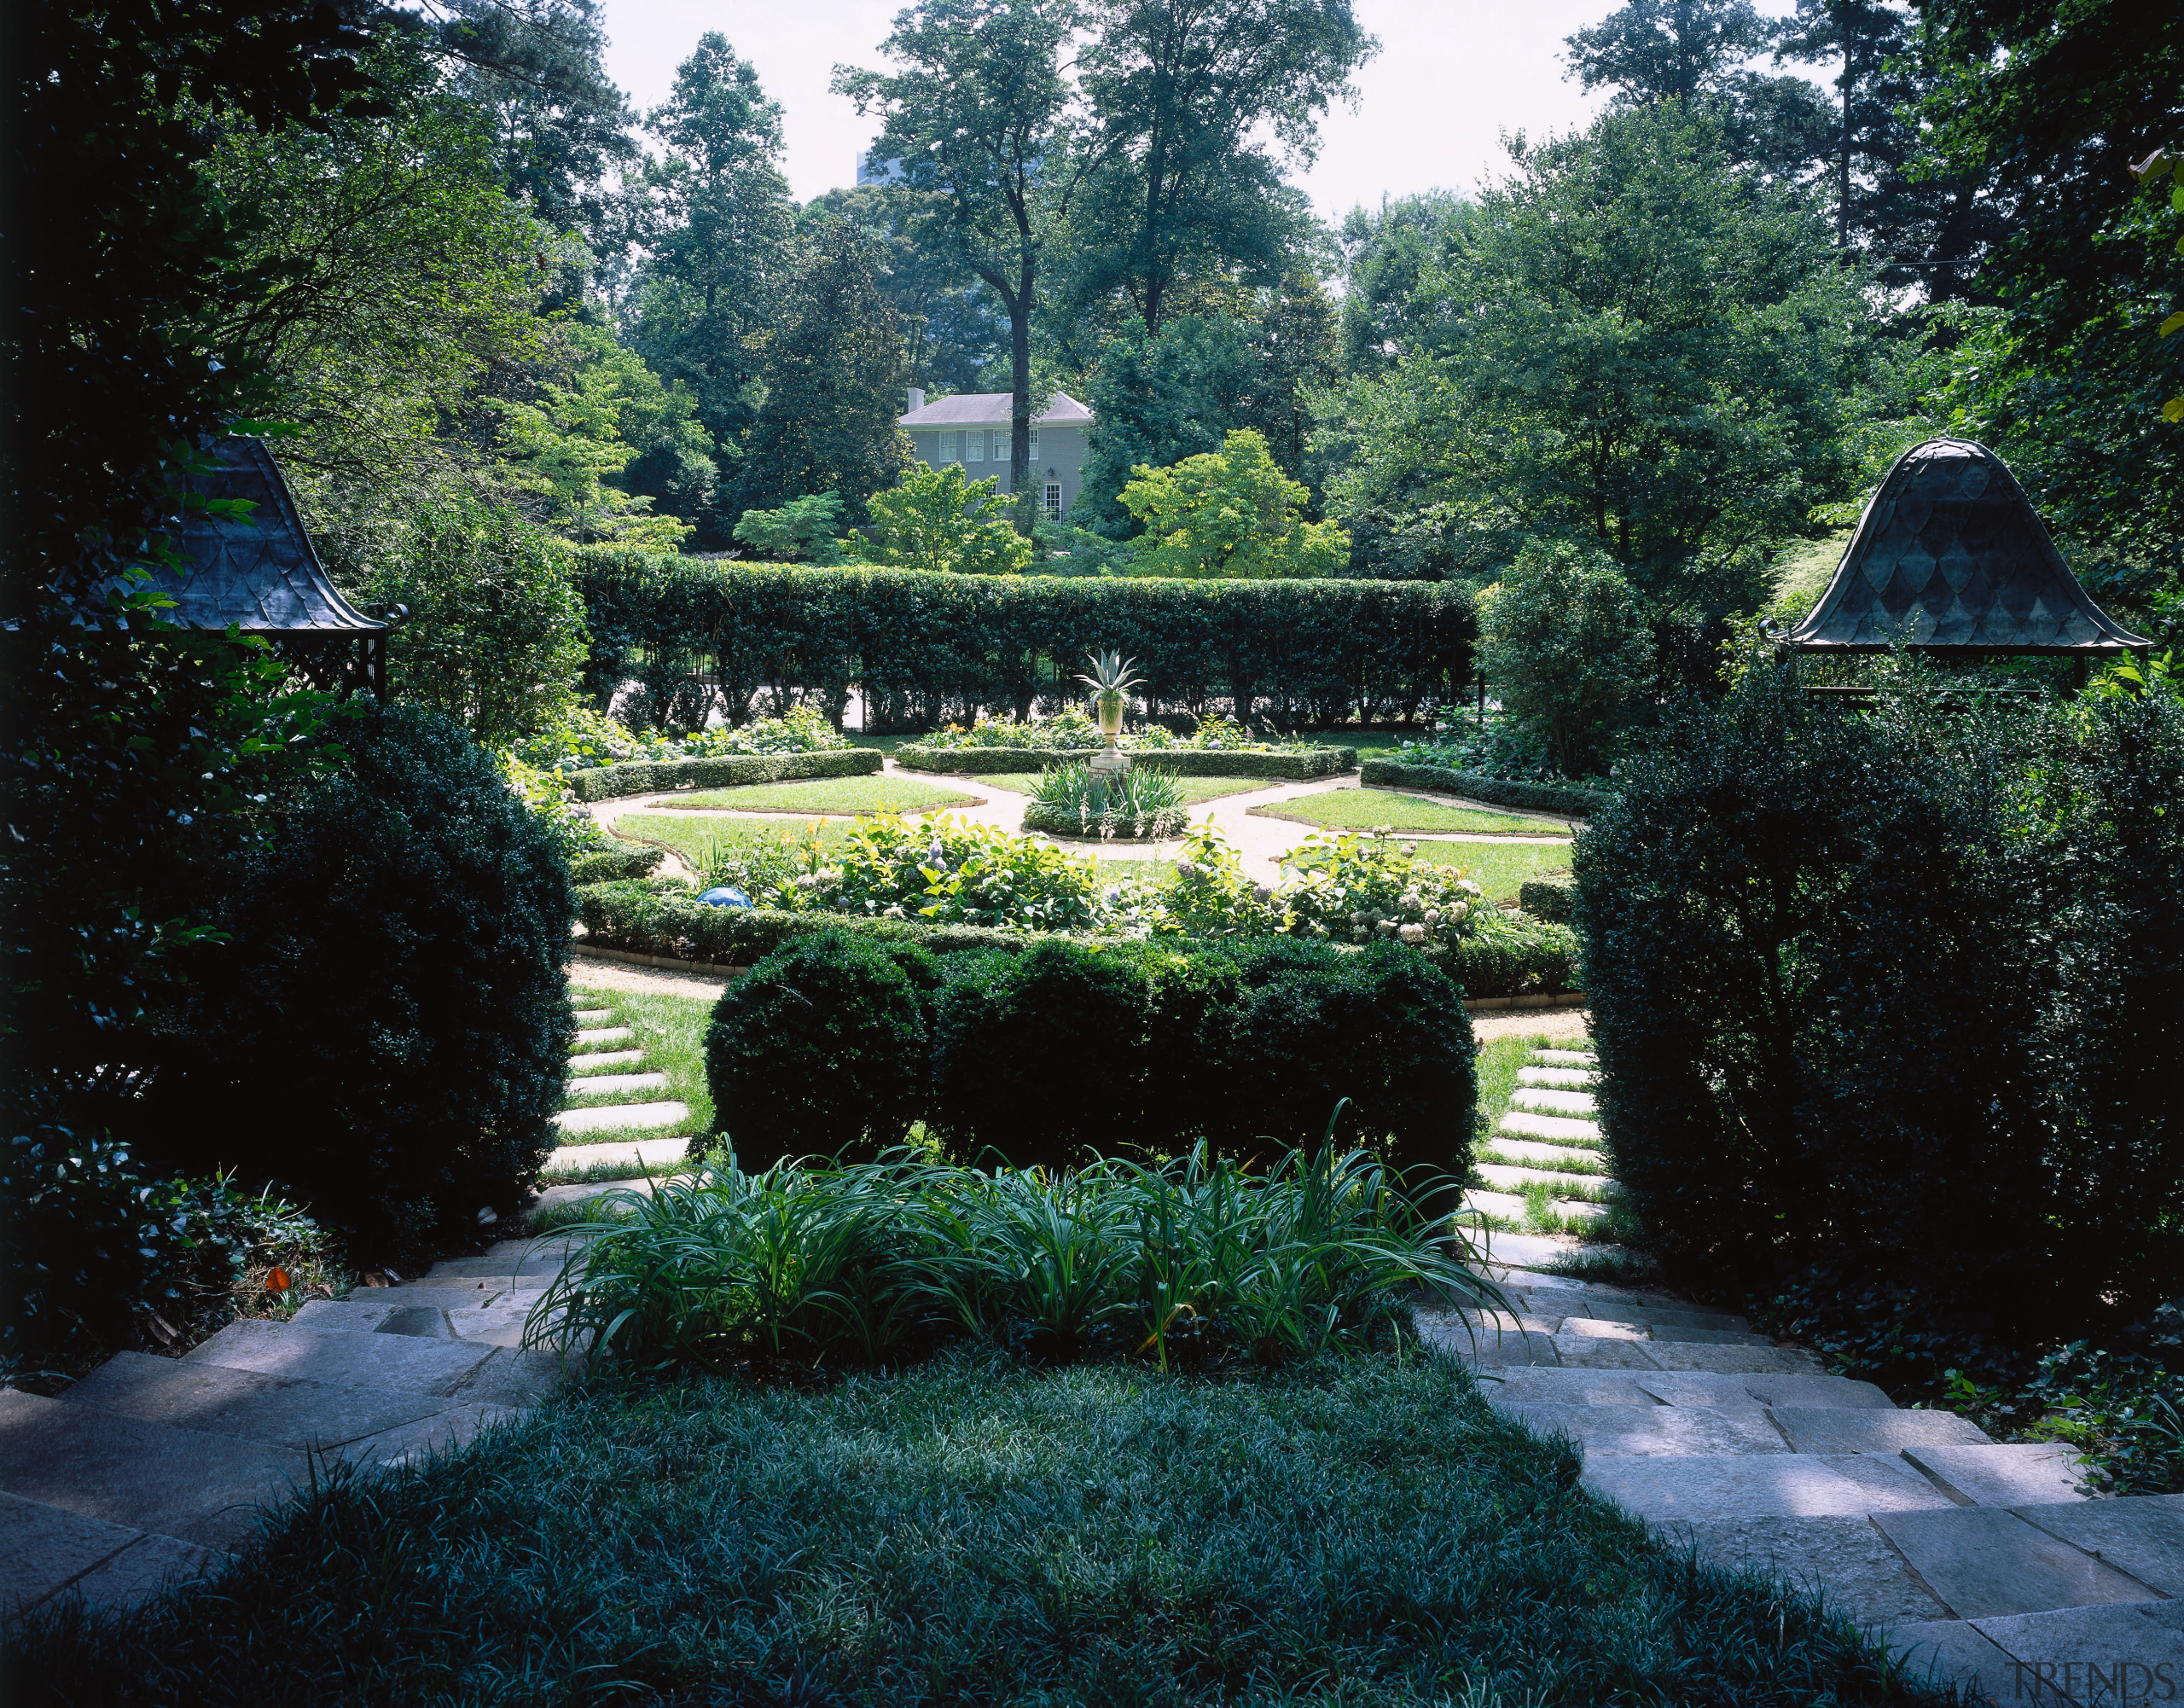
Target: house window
978	447
1034	444
1054	501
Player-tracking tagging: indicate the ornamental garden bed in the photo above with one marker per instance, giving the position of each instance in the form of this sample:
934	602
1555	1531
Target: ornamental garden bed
1563	799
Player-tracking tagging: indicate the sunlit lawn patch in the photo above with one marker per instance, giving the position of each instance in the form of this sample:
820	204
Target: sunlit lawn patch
1362	809
824	795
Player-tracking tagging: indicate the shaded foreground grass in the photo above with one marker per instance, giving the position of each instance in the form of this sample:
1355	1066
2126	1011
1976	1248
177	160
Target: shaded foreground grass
1360	1531
824	794
1364	807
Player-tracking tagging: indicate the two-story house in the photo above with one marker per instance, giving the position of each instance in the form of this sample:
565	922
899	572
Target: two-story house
972	429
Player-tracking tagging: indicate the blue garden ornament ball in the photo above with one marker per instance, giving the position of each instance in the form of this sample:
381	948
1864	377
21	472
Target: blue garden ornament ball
725	899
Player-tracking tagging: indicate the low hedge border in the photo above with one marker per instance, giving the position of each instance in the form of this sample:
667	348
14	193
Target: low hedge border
611	783
608	864
1534	960
1563	799
1546	898
1184	762
1053	821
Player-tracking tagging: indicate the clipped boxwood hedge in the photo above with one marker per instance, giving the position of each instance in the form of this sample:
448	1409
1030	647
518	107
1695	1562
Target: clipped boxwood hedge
1184	762
609	782
1565	798
1546	898
1520	958
608	864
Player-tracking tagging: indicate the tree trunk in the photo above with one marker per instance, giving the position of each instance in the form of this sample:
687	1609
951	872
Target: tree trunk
1021	471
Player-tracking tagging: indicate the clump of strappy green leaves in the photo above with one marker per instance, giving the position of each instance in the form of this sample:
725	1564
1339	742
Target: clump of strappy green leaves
1140	802
1200	1260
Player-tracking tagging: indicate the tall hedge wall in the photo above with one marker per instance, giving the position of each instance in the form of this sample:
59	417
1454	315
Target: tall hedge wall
927	648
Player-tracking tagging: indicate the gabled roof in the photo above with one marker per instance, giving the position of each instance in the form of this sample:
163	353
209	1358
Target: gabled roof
989	409
259	570
1950	553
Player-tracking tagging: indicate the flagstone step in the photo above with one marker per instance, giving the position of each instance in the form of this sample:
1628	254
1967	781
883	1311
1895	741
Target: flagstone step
2016	1474
47	1551
187	1483
600	1060
603	1034
1701	1487
612	1115
1575	1078
1842	1557
650	1152
513	1262
1686	1388
2140	1534
609	1085
357	1422
1507	1177
1546	1100
1660	1330
592	1017
1513	1208
1618	1430
1524	1124
472	1371
1986	1562
2127	1653
1565	1058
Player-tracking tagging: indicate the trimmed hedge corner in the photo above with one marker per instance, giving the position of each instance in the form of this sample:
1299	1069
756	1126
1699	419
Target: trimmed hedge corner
1565	799
609	782
1184	762
1546	898
1525	957
1054	821
608	865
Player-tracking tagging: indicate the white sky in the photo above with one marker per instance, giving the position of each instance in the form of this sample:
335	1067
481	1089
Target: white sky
1451	75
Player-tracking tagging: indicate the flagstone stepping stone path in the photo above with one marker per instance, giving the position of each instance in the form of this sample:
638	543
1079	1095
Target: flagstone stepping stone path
1980	1561
612	1061
152	1469
1547	1137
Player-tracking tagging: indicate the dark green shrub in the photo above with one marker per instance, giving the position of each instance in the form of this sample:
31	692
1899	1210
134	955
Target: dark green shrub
1515	957
1040	1057
1547	899
820	1049
613	865
384	1033
1893	998
1381	1026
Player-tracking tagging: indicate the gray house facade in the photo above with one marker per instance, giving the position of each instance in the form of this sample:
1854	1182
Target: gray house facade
972	429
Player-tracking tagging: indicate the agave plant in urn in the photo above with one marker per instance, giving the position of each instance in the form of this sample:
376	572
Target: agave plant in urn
1111	681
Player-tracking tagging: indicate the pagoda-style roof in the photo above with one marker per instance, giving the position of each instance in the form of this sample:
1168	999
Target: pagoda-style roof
259	570
1951	557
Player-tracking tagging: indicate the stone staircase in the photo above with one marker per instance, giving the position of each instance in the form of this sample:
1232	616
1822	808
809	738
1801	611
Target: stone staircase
153	1468
1543	1164
1981	1562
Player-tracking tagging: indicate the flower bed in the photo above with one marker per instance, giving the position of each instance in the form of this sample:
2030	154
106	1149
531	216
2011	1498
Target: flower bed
587	739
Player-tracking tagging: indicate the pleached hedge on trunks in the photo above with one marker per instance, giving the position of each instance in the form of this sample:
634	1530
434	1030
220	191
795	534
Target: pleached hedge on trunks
928	648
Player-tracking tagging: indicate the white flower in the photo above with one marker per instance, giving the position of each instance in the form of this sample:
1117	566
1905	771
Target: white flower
1413	934
1461	910
1433	916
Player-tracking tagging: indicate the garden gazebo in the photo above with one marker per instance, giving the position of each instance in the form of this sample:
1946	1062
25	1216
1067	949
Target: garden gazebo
1951	559
260	574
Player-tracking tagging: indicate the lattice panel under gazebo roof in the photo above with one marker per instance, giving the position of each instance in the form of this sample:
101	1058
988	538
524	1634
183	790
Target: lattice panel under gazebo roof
1950	556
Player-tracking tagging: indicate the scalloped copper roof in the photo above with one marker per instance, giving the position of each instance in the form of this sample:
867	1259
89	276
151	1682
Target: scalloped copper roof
259	570
1950	553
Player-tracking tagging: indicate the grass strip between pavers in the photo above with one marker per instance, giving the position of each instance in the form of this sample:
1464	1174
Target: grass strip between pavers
1362	1531
670	1031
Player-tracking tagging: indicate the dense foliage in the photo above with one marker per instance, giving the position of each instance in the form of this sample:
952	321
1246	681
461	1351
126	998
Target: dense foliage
1071	799
1228	512
1160	1044
1897	995
390	975
929	648
1564	645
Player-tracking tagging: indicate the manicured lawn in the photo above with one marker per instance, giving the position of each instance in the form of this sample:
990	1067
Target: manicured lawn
1499	868
1194	789
825	794
1363	809
1357	1531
